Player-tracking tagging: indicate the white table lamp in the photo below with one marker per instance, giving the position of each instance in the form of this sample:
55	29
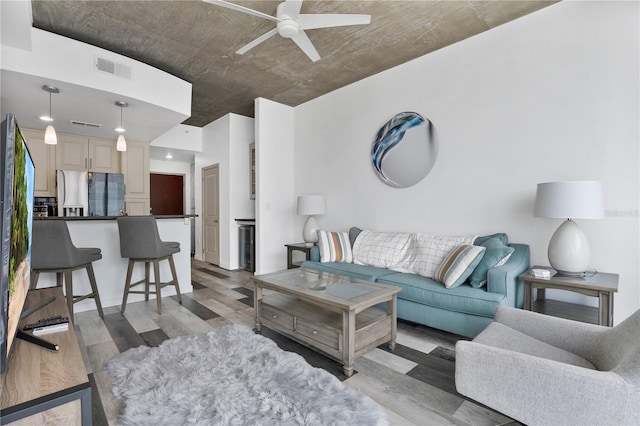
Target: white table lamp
311	205
569	252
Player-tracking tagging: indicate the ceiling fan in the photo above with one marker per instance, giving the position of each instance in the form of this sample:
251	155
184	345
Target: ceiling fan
291	24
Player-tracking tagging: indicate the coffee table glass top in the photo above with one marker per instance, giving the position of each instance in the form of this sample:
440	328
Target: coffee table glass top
324	284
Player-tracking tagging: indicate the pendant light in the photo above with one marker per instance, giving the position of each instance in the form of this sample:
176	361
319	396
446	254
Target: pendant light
50	137
121	144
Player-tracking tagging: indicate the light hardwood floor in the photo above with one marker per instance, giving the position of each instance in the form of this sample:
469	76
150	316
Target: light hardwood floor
414	383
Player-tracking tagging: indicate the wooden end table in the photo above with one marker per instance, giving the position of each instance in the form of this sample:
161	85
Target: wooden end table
302	247
601	285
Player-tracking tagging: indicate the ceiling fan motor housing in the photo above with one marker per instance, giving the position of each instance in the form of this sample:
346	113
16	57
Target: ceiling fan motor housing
288	28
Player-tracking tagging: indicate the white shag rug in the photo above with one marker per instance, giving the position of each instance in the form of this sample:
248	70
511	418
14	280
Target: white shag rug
232	376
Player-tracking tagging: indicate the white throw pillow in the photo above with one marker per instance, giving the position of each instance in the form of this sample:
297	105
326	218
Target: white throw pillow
383	249
428	251
334	247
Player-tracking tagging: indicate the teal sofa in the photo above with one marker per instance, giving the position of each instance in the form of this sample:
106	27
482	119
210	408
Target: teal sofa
462	310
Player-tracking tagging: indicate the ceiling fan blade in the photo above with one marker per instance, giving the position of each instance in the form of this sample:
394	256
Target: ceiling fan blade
243	9
311	21
257	41
305	44
291	8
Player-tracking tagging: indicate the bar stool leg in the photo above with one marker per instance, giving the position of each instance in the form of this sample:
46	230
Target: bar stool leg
58	279
34	280
146	280
68	284
94	288
156	275
175	278
127	284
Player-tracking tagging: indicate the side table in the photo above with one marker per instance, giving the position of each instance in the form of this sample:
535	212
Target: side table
601	285
302	247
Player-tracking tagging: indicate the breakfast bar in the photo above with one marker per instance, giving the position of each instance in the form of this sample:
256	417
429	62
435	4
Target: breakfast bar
111	270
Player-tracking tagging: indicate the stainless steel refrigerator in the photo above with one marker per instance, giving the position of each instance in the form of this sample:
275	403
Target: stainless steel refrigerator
82	193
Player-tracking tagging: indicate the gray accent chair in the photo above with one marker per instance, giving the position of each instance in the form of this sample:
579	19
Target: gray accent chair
542	370
53	251
140	242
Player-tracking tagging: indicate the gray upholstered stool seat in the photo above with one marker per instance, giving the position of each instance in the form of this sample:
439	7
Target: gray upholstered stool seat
53	251
140	242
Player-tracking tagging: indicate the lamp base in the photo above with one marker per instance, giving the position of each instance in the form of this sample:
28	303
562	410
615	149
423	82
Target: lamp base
569	252
310	230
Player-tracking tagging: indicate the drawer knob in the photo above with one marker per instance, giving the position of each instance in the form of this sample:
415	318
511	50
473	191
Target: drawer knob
315	332
275	316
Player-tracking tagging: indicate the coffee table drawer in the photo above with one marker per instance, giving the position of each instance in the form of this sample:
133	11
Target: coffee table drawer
277	317
327	336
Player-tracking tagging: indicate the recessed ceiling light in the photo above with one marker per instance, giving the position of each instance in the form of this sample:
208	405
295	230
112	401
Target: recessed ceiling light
168	156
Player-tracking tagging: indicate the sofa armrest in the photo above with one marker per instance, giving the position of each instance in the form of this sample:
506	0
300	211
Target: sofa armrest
504	279
573	336
314	254
535	390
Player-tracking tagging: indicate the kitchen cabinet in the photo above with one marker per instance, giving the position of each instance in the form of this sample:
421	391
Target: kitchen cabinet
44	159
81	153
135	166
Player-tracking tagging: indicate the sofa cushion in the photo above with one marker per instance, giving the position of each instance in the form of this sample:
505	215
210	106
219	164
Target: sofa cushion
353	234
496	254
500	336
458	265
484	238
369	273
464	298
334	247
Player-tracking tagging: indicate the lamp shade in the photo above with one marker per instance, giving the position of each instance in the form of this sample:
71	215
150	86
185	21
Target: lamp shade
121	143
569	200
50	137
311	204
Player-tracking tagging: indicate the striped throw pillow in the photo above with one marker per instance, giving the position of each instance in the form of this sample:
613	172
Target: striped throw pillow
458	264
334	247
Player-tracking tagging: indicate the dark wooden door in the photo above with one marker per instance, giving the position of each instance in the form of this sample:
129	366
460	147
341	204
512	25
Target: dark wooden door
167	194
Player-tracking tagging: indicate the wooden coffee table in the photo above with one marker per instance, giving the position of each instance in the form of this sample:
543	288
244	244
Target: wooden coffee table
330	313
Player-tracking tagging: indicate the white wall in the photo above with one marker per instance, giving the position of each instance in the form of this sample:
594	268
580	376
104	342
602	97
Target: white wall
551	96
275	198
241	206
226	142
188	138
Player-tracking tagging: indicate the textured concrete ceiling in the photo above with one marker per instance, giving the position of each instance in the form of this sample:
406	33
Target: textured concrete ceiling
196	41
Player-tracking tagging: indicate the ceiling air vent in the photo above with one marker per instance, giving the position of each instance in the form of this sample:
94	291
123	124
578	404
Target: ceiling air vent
85	124
113	68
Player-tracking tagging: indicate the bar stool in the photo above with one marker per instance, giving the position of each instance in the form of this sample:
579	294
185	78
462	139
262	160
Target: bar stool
140	242
53	251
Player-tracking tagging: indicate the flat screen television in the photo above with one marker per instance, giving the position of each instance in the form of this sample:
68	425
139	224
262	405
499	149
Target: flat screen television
16	216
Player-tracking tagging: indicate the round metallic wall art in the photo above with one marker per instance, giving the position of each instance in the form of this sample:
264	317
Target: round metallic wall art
404	150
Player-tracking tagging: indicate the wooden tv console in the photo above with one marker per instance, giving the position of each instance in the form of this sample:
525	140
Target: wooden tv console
38	380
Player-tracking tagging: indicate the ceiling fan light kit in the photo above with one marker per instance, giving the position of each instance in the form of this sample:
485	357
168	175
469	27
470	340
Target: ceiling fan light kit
291	24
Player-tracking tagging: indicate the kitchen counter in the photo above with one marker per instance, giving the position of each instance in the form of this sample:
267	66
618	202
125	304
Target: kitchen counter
71	218
111	270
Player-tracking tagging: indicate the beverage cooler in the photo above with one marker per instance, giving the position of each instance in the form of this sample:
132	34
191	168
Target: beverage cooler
246	238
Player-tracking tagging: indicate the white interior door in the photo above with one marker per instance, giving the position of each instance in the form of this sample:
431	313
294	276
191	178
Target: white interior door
211	213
